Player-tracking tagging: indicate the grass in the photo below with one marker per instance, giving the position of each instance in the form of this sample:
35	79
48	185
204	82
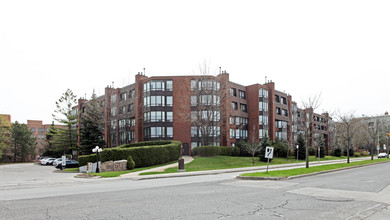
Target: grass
226	162
71	170
118	173
300	171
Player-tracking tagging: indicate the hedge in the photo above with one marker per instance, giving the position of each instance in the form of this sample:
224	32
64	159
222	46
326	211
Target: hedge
142	156
145	143
210	151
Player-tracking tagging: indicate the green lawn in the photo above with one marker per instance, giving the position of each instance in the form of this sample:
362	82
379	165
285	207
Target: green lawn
300	171
226	162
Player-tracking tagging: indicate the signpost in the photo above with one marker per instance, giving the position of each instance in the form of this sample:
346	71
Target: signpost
319	154
378	148
269	154
63	162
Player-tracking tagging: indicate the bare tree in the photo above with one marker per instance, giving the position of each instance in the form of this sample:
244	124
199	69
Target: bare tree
252	146
347	127
208	93
372	128
310	105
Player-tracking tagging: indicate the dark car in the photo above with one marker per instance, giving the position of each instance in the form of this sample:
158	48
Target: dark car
69	164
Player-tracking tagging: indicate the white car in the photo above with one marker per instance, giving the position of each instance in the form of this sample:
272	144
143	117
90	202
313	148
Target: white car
57	161
47	161
382	155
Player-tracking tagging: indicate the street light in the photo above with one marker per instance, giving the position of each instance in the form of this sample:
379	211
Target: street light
97	150
297	152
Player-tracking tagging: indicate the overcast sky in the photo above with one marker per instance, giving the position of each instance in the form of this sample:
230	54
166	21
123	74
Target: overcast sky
340	49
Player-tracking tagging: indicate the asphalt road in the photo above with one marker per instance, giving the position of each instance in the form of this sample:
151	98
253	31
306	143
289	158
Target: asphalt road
361	193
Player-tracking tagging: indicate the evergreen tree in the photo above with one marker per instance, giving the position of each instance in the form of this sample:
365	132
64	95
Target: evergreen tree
65	139
302	148
91	134
51	149
23	142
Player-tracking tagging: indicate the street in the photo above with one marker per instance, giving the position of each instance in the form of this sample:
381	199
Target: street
360	193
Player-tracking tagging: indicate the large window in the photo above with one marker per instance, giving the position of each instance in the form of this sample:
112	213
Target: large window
263	93
242	94
169	85
233	92
234	106
158	85
169	101
169	116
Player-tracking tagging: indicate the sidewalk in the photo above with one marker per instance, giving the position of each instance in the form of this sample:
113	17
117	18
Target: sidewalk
187	159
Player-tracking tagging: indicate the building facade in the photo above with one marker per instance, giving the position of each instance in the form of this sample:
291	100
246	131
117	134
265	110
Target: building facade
204	110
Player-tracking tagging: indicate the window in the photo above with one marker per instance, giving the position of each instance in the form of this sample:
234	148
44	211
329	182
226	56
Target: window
243	120
169	131
285	112
243	108
277	98
113	111
194	116
169	116
233	92
122	110
113	98
130	107
284	100
232	120
41	130
193	84
157	116
234	106
242	94
157	132
278	111
122	96
194	101
169	101
157	85
194	131
232	133
263	93
131	135
169	85
132	121
131	93
157	100
194	144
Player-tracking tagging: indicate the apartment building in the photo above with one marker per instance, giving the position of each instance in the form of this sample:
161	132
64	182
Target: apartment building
199	110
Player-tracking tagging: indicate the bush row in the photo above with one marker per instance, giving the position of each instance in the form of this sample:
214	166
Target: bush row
210	151
142	156
145	143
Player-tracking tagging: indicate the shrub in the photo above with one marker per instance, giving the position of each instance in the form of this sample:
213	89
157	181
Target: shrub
337	152
357	154
145	143
235	151
130	163
142	156
351	152
243	151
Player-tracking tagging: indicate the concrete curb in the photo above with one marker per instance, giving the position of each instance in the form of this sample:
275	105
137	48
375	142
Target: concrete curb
304	175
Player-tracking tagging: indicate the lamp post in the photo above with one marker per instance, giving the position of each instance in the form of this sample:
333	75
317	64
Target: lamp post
97	150
297	152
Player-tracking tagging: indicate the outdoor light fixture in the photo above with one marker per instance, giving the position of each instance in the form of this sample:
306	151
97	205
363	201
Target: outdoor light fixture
297	152
97	150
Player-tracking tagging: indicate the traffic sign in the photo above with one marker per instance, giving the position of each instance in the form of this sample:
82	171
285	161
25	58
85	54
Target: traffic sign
269	152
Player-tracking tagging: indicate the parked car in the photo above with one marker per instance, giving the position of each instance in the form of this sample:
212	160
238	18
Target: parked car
41	158
69	164
382	155
57	161
47	161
